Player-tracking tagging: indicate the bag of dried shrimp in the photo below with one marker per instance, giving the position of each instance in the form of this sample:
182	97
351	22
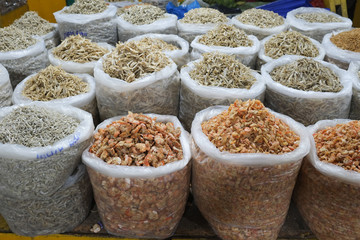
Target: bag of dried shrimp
354	70
6	90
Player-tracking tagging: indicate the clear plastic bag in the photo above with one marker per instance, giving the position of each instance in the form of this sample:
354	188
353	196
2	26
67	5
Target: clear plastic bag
40	171
138	201
244	196
195	97
180	56
354	69
327	195
6	90
316	30
99	27
246	55
58	213
157	92
165	25
307	107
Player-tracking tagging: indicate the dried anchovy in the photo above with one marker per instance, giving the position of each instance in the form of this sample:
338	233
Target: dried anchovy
138	140
32	126
290	43
260	18
248	127
12	39
130	61
204	16
86	7
226	36
348	40
339	145
222	70
79	49
157	44
54	83
318	17
307	75
142	14
33	24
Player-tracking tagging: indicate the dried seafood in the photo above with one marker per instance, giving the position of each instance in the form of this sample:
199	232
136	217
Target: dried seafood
290	43
318	17
130	61
204	16
222	70
86	7
260	18
226	36
348	40
12	39
142	14
157	44
307	75
79	49
33	24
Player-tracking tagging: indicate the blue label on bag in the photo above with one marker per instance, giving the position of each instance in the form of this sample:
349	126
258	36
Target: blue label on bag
70	33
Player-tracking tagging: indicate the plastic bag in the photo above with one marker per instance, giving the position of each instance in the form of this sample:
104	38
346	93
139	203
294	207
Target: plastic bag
316	30
22	63
195	97
186	6
40	171
246	55
6	90
181	56
338	56
75	67
52	39
243	196
166	25
327	195
307	107
138	201
58	213
157	92
98	27
354	69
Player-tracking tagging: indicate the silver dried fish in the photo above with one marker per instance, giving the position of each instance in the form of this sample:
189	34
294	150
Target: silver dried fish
204	16
318	17
142	14
33	24
260	18
86	7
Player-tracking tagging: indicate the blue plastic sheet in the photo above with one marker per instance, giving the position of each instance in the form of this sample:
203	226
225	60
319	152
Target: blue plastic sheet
182	9
282	7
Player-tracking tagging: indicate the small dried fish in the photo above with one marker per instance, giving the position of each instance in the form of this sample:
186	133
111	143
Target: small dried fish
33	24
348	40
157	44
260	18
142	14
12	39
204	16
318	17
86	7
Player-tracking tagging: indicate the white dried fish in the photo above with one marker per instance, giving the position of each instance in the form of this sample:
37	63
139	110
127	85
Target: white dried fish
204	16
33	24
260	18
12	39
86	7
141	14
318	17
157	44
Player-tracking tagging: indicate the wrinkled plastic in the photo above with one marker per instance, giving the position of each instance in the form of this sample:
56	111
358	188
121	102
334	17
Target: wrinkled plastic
52	39
98	27
139	201
246	55
316	30
353	70
247	195
6	90
75	67
180	56
328	196
307	107
58	213
179	11
195	97
157	92
40	171
165	25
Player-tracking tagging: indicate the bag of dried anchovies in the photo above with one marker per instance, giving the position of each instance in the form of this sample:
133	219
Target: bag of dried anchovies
30	167
354	70
307	90
6	90
61	212
328	187
316	22
140	201
244	195
189	31
122	3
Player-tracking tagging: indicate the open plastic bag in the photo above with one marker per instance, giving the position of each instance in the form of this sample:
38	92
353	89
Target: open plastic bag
75	67
316	30
40	171
52	39
307	107
139	201
354	69
58	213
327	195
180	56
246	55
6	90
157	92
22	63
165	25
195	97
99	27
246	195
